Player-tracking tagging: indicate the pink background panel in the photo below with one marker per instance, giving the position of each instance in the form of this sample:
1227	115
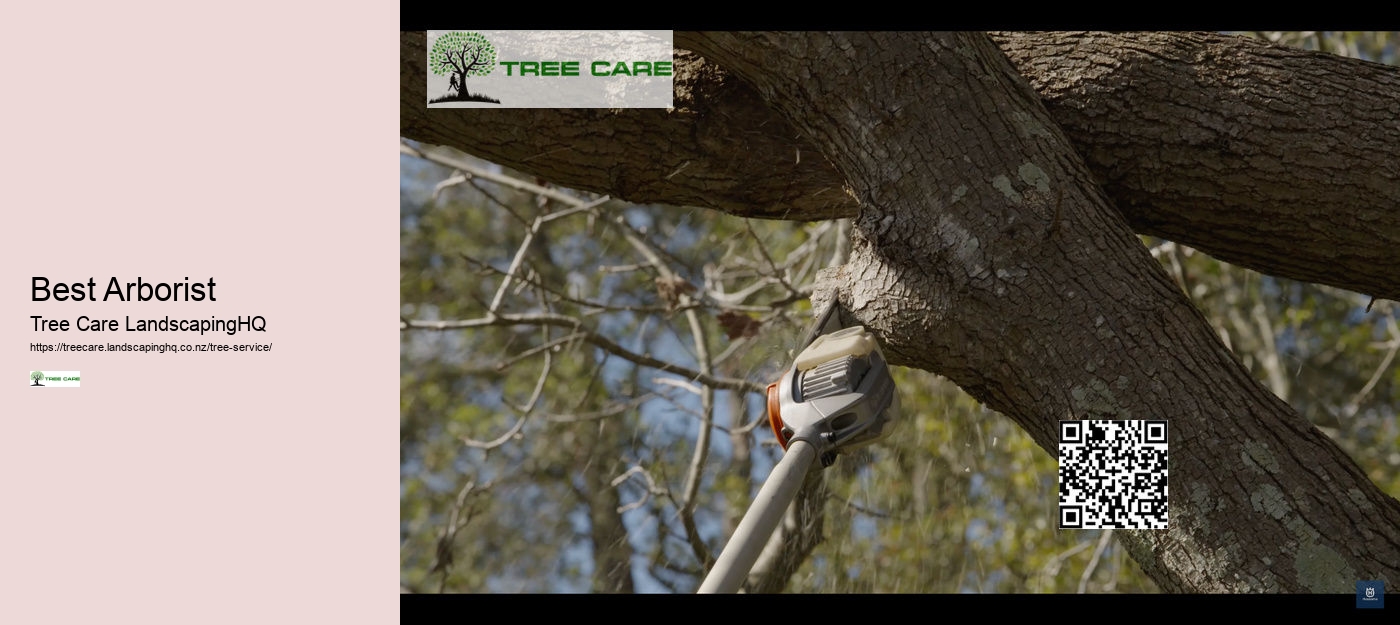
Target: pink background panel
254	143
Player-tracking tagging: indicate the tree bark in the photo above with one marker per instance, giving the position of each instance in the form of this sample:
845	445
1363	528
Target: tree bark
1273	158
1281	160
986	250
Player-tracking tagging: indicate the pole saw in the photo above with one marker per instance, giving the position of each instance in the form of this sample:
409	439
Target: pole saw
836	396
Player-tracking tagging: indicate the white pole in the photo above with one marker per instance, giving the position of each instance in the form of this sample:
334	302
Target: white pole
762	518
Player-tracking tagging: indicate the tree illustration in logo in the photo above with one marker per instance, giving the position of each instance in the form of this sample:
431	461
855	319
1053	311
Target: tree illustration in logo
36	376
462	54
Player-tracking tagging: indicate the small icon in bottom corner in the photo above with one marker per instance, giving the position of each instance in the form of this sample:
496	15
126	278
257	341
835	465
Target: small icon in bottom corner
1370	594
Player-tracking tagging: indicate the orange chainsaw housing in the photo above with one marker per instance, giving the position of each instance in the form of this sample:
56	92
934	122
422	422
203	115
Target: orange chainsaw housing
775	415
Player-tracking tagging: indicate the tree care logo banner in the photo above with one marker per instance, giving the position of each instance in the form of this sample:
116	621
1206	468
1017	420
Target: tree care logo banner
54	379
549	69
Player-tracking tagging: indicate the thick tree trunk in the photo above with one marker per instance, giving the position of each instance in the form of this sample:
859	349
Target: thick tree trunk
462	85
1281	160
986	252
1273	158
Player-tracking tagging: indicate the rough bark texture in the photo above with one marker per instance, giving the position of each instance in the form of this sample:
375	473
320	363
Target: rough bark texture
1273	158
718	149
1292	158
987	251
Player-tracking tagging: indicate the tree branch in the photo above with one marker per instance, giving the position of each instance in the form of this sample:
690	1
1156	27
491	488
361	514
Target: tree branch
596	339
1280	160
958	168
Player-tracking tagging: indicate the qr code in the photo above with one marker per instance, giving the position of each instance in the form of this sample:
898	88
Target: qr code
1113	474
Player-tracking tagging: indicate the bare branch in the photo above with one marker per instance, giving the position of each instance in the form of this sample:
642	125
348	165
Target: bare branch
1094	561
524	411
563	340
610	411
733	300
455	179
623	268
651	489
446	539
529	406
592	337
1052	566
707	393
1355	404
681	384
437	156
525	247
587	303
777	274
510	210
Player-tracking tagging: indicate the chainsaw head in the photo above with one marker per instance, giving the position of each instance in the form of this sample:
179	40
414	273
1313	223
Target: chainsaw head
838	394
